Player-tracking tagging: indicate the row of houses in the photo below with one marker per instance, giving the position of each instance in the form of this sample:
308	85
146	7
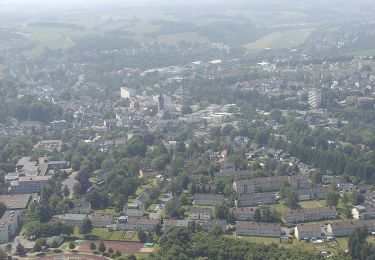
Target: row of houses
76	220
309	214
264	184
252	199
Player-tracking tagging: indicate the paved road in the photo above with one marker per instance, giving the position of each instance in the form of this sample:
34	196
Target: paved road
70	181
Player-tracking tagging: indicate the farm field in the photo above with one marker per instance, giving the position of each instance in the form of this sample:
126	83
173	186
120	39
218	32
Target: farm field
280	40
53	38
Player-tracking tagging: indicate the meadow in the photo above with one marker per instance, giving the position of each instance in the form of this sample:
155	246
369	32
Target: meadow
280	40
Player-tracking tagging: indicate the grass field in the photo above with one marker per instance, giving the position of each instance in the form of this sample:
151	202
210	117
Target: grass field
110	211
370	52
280	207
280	40
312	204
174	39
53	38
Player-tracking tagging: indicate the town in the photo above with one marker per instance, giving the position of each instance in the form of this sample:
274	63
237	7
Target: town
113	149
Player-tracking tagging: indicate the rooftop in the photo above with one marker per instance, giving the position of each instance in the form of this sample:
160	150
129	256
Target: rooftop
17	201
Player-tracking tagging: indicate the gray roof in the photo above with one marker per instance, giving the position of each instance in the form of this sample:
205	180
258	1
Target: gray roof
16	201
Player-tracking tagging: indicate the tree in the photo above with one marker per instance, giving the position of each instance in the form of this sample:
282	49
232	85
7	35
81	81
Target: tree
358	247
170	207
257	215
3	208
20	249
54	244
3	255
110	250
142	236
356	198
185	109
333	198
39	244
101	247
221	212
92	246
9	248
72	245
131	257
217	230
117	254
86	226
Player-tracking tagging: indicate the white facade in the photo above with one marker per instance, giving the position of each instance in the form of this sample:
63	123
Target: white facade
8	225
127	93
315	99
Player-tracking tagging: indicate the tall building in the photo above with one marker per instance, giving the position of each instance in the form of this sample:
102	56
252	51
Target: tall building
127	93
315	99
160	103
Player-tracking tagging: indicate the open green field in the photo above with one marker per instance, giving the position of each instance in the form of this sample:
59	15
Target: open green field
370	52
280	40
279	207
174	39
53	38
312	204
110	211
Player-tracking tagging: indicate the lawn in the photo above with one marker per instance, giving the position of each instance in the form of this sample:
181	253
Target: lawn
174	39
110	211
275	240
117	235
311	204
52	37
280	40
370	52
279	207
152	207
102	233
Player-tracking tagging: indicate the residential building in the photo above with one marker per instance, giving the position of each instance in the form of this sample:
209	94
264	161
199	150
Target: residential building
101	220
133	210
370	198
134	223
49	145
364	211
28	184
243	213
309	214
245	200
302	231
201	188
74	220
127	93
346	228
16	201
171	223
209	224
249	228
315	99
201	213
208	199
232	175
273	183
9	224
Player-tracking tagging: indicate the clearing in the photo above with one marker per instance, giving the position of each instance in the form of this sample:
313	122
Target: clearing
280	40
